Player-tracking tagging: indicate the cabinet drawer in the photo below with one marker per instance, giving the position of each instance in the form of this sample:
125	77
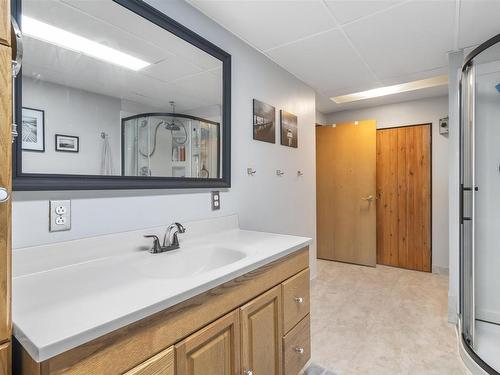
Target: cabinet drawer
297	347
295	299
160	364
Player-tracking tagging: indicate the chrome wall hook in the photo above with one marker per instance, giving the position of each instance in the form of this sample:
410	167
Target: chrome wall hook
300	173
251	171
279	172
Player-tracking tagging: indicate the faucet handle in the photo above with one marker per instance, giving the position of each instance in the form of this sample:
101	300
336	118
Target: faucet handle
156	243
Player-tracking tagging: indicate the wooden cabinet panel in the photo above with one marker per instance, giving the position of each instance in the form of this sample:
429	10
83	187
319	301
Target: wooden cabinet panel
161	364
5	181
5	359
297	347
261	334
296	299
214	350
5	22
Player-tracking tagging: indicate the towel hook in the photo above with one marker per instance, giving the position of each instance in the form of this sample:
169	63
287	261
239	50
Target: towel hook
251	171
279	172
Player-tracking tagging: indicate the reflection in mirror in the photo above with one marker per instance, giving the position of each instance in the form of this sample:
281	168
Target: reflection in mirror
136	99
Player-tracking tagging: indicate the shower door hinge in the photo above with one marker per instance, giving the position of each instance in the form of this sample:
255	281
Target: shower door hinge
14	132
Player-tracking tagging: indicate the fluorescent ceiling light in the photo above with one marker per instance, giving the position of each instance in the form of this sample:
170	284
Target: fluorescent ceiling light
390	90
62	38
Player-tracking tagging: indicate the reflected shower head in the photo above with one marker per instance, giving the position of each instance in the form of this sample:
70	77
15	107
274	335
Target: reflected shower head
172	126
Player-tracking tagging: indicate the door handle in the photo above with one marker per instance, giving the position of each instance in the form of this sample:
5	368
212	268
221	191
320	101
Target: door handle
4	195
368	198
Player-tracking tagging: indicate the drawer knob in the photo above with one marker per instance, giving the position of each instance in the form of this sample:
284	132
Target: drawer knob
299	350
299	299
248	372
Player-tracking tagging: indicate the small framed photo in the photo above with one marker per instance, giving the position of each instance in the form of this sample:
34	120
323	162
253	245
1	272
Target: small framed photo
289	135
33	129
264	122
67	143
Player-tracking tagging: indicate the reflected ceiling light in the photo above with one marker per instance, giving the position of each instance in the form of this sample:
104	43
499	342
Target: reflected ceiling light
394	89
62	38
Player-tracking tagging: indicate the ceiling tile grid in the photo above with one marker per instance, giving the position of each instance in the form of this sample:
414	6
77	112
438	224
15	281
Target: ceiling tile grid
343	46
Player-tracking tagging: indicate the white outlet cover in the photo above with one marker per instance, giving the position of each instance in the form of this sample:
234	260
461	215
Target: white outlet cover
59	215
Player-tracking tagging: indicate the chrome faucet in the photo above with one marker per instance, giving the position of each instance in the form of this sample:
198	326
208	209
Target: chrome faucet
170	239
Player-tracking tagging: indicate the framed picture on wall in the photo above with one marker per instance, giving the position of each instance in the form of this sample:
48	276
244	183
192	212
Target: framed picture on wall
33	129
289	133
264	122
67	143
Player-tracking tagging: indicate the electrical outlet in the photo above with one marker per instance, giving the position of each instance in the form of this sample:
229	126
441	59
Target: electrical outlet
59	215
215	200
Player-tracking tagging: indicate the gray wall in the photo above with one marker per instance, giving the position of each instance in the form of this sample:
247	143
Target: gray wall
75	112
410	113
263	202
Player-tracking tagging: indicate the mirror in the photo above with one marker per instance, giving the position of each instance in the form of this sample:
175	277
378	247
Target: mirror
118	94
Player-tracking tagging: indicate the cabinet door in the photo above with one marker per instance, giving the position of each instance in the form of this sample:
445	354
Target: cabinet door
261	334
5	22
5	182
213	350
5	359
160	364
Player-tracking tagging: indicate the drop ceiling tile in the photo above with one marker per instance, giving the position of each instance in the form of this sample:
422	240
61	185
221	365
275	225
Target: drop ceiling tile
409	38
349	10
268	24
479	21
326	62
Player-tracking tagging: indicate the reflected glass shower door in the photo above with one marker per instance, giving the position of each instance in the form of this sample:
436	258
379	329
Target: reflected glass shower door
480	205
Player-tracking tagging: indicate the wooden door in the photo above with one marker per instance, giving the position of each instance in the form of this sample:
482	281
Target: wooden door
345	183
213	350
5	183
404	197
262	335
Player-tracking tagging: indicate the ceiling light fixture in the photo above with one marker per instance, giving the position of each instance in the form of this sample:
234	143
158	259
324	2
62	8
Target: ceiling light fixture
62	38
394	89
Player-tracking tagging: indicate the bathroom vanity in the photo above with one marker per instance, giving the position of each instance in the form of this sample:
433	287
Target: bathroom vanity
228	301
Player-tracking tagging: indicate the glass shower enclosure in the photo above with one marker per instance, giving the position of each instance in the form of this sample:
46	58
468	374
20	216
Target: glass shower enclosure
170	145
480	205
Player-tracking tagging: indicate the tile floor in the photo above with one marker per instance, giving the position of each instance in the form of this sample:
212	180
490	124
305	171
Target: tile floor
382	320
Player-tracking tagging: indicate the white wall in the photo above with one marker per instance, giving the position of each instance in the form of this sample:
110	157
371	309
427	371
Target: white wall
263	202
75	112
411	113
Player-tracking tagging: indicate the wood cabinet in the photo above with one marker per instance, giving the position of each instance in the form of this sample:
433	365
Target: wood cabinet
5	359
6	183
161	364
228	330
5	22
261	334
214	350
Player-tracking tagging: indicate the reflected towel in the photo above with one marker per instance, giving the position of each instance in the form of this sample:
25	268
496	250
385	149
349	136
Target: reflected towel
106	159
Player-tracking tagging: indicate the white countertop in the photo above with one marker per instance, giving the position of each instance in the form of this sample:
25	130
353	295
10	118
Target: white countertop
69	293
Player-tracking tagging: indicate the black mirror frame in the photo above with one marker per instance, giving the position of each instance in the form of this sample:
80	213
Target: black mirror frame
51	182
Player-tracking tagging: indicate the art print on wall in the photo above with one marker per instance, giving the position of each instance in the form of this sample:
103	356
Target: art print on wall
33	129
67	143
289	134
264	122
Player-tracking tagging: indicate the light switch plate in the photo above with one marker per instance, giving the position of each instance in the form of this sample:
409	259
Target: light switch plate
59	215
215	200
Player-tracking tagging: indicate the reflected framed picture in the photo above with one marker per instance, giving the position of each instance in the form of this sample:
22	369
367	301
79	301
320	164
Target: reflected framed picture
33	129
67	143
264	122
289	133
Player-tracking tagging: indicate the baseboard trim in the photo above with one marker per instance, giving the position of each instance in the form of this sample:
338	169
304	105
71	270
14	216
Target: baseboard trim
441	270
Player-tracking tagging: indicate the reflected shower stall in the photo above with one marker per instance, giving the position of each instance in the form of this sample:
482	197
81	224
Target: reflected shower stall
480	205
170	145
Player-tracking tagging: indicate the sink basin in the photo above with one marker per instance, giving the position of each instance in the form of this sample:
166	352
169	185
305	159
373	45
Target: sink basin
188	262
